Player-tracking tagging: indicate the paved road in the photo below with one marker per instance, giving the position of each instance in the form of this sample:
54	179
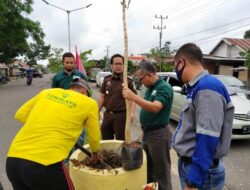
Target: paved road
16	93
12	95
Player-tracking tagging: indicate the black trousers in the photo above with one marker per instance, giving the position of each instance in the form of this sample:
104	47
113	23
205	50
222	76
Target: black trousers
113	126
28	175
157	148
1	187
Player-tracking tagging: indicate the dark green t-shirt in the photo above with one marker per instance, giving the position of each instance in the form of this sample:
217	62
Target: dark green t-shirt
63	80
160	91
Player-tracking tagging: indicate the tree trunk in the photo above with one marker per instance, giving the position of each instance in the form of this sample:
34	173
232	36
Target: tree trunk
125	73
248	77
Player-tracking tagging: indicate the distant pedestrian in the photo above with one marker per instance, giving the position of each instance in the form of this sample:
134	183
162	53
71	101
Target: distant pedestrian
154	119
203	135
113	124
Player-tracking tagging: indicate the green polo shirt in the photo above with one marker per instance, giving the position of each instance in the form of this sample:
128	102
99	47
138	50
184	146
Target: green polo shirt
63	80
160	91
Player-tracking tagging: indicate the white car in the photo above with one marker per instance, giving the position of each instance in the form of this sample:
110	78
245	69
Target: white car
100	77
241	122
92	74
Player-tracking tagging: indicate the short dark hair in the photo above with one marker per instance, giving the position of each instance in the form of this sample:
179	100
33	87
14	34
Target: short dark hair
146	67
114	56
67	54
190	51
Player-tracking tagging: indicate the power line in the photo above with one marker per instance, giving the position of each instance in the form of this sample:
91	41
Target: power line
178	4
178	7
191	12
235	28
208	41
215	27
223	32
199	8
183	6
208	37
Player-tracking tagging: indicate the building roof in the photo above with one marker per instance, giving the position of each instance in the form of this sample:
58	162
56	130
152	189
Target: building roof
242	44
136	58
214	57
19	64
3	66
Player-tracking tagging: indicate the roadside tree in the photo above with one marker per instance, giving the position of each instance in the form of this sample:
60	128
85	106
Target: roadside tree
246	55
55	60
19	35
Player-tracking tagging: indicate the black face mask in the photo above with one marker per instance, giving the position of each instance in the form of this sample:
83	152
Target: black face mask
179	72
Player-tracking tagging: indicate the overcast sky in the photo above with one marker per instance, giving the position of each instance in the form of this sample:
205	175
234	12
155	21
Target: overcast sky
203	22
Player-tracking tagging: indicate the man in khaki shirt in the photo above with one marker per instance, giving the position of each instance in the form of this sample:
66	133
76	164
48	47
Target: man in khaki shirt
113	125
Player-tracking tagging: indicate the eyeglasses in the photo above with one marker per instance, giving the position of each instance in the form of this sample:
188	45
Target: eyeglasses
140	79
117	64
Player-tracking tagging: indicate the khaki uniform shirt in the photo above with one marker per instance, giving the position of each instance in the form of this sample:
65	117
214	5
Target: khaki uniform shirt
112	90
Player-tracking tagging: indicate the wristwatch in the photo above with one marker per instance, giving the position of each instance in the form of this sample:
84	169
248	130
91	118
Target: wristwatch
191	184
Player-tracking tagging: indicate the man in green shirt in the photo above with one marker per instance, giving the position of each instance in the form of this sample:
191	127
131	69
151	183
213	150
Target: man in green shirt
154	119
63	78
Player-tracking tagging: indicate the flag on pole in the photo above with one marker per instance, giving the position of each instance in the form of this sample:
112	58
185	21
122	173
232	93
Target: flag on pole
79	64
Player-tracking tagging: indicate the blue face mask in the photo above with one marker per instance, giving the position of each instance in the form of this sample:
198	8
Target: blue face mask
179	72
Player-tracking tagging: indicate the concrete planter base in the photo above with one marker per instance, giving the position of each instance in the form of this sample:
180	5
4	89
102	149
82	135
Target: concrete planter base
90	179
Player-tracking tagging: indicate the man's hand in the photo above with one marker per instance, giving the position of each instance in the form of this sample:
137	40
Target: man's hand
95	157
127	93
132	117
190	188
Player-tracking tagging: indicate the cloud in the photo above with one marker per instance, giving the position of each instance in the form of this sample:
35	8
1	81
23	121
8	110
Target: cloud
101	24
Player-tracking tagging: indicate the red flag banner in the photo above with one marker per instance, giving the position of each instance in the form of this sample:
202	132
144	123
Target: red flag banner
79	64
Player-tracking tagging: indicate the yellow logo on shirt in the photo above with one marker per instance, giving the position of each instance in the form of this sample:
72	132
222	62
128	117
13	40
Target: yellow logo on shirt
62	100
66	95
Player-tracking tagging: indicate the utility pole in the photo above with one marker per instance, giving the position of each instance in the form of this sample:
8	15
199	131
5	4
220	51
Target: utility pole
107	56
160	28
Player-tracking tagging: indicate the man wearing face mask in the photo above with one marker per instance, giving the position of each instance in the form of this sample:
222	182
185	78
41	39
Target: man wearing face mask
202	137
113	125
